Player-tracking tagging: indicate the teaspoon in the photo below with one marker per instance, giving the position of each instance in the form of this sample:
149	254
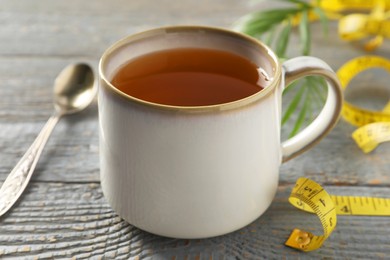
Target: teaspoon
74	90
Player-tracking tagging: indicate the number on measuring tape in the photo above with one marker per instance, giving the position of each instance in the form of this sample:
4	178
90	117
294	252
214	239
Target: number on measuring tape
374	126
309	196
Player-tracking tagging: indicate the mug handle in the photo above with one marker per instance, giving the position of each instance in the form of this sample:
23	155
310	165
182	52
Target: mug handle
294	69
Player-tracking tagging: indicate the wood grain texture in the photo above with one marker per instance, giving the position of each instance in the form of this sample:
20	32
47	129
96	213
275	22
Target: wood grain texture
26	103
64	214
56	220
77	28
39	39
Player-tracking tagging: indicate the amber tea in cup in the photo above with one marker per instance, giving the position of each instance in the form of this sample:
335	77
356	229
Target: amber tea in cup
188	77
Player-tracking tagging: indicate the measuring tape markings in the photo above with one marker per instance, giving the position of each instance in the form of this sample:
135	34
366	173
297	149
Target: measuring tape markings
374	128
368	137
374	125
309	196
361	206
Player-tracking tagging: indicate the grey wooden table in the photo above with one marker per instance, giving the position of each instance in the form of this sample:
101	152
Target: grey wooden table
63	213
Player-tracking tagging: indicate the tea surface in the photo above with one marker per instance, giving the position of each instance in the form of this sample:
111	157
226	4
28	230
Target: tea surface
188	77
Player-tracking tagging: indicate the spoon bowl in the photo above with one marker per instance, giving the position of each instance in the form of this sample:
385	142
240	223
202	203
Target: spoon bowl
74	90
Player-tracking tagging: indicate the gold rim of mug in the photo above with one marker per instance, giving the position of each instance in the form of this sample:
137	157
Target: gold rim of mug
216	107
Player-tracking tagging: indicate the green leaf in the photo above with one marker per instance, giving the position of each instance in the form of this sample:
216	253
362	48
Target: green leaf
311	114
282	41
258	23
323	19
302	114
317	102
311	90
254	28
290	87
319	87
299	2
304	32
274	27
270	37
292	106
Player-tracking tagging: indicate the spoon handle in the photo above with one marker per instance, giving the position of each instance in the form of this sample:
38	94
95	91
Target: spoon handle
19	177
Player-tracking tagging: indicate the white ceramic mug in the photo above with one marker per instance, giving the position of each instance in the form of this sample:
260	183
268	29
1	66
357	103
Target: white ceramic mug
196	172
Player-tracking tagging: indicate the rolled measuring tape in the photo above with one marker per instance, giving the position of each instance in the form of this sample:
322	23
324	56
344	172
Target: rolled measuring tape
347	5
374	126
309	196
369	29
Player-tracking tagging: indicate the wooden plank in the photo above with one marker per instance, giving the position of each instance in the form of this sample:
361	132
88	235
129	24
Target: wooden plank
338	160
72	154
56	220
64	214
39	38
26	89
26	103
77	28
26	86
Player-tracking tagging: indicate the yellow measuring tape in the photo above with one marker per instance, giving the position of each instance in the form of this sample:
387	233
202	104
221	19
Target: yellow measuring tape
374	126
309	196
347	5
372	27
